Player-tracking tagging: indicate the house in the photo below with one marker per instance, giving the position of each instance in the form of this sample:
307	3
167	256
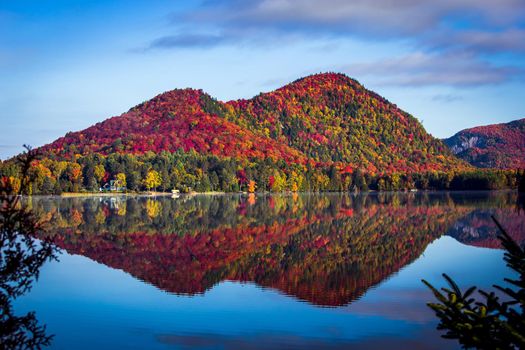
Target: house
112	186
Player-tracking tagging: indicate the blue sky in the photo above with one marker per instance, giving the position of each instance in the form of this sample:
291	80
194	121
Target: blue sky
66	65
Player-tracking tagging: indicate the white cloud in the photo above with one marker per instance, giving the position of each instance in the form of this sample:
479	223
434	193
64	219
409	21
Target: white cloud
374	17
424	69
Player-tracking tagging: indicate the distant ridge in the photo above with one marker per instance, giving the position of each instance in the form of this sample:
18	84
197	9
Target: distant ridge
491	146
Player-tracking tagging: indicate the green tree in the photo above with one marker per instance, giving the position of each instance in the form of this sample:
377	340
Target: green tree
521	185
133	180
91	184
204	184
214	181
335	179
489	323
48	186
22	257
165	178
360	181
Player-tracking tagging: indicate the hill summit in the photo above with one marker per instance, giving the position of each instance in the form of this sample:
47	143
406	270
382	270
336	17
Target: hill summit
321	119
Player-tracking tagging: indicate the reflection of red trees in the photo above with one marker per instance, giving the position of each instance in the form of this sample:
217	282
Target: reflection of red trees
324	259
178	263
479	229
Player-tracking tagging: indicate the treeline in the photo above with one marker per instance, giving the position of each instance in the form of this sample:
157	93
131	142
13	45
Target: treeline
128	214
190	171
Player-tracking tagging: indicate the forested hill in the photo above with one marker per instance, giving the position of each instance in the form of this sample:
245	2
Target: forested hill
332	118
323	119
325	132
492	146
179	119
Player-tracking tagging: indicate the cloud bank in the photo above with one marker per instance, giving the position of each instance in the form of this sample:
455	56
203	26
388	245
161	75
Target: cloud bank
453	42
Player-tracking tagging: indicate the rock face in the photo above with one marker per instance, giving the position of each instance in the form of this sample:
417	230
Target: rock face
492	146
321	119
465	145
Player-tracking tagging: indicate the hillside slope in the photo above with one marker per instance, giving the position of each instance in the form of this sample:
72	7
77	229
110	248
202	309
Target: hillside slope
491	146
324	119
331	117
168	122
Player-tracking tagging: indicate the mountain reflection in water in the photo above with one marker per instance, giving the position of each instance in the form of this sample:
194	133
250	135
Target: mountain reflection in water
325	249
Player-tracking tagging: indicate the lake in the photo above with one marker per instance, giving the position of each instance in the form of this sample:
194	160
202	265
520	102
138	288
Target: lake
306	271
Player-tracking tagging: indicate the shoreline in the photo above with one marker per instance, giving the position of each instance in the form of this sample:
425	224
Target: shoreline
217	193
110	194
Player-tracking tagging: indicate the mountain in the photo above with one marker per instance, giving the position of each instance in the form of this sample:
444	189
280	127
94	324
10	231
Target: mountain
491	146
322	119
179	119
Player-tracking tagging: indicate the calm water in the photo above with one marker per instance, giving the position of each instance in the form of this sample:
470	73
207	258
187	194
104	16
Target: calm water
258	272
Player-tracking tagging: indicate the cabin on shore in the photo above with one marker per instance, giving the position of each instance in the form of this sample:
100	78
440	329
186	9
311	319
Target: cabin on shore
112	186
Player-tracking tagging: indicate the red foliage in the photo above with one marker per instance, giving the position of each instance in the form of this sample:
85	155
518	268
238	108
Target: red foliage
492	146
320	119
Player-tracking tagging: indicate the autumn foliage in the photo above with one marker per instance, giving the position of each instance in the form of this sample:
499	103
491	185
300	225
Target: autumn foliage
322	119
325	132
492	146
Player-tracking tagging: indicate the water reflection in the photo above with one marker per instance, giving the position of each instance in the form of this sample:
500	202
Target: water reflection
324	249
21	257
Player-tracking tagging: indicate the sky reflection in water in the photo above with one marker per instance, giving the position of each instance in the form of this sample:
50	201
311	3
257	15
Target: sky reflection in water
308	271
